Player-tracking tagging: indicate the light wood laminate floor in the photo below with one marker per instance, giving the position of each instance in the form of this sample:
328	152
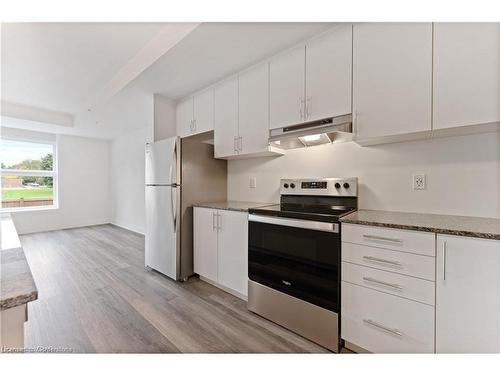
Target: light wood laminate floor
95	295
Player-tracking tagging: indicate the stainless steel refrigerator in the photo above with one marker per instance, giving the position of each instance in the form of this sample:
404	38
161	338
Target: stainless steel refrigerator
179	173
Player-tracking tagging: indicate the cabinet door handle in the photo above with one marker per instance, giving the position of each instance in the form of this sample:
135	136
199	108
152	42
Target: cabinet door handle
219	221
308	107
380	238
214	223
382	327
301	108
375	259
444	260
356	121
372	280
240	143
191	125
235	148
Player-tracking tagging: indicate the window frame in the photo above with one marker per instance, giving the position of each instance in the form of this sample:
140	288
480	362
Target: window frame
36	173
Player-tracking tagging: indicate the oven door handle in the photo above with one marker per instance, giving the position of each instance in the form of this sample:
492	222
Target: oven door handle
296	223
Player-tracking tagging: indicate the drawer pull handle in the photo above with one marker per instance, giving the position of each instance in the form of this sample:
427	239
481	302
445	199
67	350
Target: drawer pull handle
379	238
382	327
371	280
374	259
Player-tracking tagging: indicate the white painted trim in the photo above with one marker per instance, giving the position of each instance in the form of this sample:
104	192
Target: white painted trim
126	228
35	114
29	208
166	39
88	223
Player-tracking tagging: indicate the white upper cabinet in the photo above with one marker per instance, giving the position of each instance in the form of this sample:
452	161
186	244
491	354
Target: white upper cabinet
203	111
254	110
226	138
466	74
195	114
328	74
392	79
287	88
467	295
184	117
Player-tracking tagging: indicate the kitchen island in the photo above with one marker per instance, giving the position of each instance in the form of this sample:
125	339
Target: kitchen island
17	288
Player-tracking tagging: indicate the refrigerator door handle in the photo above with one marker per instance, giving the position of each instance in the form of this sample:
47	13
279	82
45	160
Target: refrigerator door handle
174	163
174	208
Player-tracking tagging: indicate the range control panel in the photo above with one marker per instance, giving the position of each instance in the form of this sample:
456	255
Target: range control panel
333	186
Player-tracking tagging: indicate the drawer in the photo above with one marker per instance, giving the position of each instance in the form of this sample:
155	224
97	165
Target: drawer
394	239
382	323
388	260
390	282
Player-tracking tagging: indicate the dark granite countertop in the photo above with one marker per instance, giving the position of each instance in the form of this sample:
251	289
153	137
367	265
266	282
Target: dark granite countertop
17	286
468	226
232	205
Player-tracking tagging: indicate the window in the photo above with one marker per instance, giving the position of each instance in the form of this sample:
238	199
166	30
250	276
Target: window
29	175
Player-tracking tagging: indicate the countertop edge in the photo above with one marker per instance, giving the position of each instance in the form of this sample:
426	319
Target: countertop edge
220	208
13	252
228	207
22	299
485	235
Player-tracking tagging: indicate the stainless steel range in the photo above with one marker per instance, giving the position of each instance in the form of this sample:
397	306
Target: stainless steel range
294	257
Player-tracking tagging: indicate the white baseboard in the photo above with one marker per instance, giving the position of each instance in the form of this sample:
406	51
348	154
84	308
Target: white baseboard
87	223
127	228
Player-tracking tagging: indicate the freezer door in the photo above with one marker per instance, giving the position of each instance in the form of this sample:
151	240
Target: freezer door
162	162
162	228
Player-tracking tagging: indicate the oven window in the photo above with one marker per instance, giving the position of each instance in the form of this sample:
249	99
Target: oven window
300	262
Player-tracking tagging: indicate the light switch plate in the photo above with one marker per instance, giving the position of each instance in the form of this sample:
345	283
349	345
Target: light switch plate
253	182
419	181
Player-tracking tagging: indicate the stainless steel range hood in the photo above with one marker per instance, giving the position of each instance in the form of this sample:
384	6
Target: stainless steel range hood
329	130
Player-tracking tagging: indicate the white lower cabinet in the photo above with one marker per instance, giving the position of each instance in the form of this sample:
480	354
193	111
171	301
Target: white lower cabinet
233	251
221	248
388	289
382	323
467	295
205	242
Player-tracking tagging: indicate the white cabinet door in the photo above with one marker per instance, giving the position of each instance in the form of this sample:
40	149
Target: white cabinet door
392	78
233	250
184	117
467	295
466	74
205	242
226	118
254	110
287	80
329	73
204	111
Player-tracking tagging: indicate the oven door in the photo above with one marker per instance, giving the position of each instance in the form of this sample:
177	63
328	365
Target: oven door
297	257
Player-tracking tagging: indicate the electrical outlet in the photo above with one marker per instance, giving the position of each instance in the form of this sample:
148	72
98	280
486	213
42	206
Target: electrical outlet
253	182
419	182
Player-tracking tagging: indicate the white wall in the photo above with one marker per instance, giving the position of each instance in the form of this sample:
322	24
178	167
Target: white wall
127	179
84	189
463	174
164	118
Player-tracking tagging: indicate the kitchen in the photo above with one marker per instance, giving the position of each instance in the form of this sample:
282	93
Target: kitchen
336	189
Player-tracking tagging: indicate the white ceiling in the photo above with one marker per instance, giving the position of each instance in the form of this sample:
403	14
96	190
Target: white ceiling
215	50
63	67
58	66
